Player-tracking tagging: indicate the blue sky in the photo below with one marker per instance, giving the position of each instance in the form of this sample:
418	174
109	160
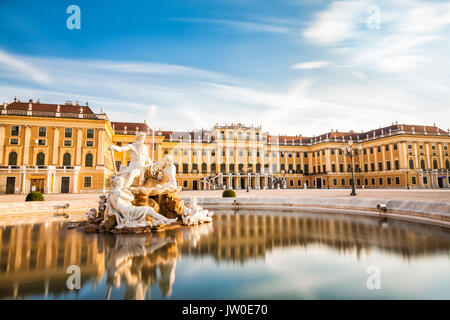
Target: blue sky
292	66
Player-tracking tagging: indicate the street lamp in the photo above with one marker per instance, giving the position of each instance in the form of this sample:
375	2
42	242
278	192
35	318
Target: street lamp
350	151
248	176
407	180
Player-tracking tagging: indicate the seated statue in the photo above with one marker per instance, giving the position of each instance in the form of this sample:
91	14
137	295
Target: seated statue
165	182
127	215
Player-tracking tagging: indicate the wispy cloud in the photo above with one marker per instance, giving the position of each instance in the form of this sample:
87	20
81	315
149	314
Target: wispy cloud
311	65
248	26
18	67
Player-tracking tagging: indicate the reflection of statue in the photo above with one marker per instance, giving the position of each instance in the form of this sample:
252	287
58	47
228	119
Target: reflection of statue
139	159
126	214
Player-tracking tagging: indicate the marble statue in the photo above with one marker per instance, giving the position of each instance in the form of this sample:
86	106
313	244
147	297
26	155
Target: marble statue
194	214
165	182
127	215
139	159
148	204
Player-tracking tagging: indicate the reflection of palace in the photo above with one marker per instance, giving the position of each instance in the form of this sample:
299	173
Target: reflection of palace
63	148
34	258
243	236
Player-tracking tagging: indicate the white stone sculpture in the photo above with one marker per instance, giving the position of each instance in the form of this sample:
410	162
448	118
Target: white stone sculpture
194	214
127	215
166	181
139	159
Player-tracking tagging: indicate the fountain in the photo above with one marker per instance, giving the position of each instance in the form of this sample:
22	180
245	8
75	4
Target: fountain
143	197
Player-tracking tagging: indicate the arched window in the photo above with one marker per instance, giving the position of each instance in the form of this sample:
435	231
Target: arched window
222	167
12	159
194	167
231	167
298	168
66	159
422	164
435	164
305	171
88	160
411	164
258	167
282	167
447	165
213	167
40	159
241	167
291	167
204	167
185	168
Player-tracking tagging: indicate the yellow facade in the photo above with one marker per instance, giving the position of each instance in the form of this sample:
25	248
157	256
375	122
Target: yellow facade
58	150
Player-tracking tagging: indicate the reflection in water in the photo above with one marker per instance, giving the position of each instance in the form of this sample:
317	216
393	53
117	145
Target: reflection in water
34	257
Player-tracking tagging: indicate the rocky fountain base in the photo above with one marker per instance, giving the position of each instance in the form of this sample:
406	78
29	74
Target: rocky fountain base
167	205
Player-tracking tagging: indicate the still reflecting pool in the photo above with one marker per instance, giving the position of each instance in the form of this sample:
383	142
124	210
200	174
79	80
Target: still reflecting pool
241	255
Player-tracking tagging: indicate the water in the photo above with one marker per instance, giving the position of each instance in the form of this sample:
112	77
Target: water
241	255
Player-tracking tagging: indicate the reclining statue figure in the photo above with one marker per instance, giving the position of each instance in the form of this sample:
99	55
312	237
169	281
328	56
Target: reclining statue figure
127	215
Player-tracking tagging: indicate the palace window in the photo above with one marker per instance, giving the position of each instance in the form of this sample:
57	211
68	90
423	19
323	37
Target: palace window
372	166
87	182
204	153
343	182
366	167
435	164
298	154
373	181
204	167
333	167
379	149
413	180
66	159
341	167
67	143
387	147
90	134
40	159
397	180
12	159
42	131
15	130
411	164
88	160
14	141
422	164
381	181
41	142
380	166
388	165
332	151
389	181
334	182
166	151
68	133
89	143
397	165
395	146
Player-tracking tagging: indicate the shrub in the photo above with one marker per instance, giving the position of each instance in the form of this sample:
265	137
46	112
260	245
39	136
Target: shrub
35	196
229	194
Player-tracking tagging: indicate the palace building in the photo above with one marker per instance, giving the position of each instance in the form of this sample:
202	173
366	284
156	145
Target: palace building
63	148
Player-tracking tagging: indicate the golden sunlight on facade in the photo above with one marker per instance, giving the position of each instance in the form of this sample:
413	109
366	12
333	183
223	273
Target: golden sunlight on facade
63	149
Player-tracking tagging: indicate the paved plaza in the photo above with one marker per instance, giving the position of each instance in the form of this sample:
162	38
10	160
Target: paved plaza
436	195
